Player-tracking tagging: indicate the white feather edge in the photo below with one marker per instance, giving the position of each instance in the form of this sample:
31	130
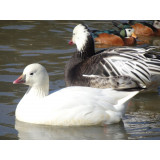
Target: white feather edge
91	76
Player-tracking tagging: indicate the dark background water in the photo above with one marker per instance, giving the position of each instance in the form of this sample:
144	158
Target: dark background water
46	42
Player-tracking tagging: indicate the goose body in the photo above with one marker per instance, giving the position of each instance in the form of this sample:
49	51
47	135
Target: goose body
71	106
116	67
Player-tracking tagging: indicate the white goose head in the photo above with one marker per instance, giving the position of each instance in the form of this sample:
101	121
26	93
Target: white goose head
83	40
80	36
36	76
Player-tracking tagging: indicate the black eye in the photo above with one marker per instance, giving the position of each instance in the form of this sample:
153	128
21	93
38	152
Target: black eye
129	30
31	73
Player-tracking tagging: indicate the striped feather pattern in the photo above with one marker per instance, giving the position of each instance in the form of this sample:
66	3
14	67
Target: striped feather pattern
115	67
127	65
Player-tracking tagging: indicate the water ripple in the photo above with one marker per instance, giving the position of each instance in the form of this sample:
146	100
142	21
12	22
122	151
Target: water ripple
18	27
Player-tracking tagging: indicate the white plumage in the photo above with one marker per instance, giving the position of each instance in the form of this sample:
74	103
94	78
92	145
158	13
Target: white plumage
69	106
80	37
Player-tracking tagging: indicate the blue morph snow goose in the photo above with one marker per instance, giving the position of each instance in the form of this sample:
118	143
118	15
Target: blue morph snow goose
116	67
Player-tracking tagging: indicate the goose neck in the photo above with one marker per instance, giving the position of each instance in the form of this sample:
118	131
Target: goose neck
37	92
87	50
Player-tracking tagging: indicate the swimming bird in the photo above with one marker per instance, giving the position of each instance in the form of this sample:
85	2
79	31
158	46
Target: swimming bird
147	28
125	36
71	106
116	67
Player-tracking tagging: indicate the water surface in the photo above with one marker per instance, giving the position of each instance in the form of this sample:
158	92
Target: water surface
46	42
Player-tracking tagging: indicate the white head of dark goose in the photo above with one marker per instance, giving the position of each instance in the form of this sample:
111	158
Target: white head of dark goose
70	106
116	67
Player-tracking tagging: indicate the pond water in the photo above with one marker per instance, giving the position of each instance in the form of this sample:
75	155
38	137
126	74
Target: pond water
46	42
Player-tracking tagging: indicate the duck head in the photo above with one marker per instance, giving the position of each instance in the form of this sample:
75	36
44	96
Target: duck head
156	24
128	32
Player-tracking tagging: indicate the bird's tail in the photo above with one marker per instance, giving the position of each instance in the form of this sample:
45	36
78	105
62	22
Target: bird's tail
154	66
153	60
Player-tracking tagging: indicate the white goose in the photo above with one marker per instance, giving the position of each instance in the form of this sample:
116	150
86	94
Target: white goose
70	106
109	68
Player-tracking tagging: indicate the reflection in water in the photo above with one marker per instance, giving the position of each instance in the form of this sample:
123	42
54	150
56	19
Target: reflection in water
156	42
46	42
142	125
36	132
142	119
150	40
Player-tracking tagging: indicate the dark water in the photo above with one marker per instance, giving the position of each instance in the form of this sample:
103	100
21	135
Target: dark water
46	42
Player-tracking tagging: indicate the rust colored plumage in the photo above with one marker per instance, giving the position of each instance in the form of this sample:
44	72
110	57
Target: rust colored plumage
129	41
143	30
114	40
158	32
109	39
